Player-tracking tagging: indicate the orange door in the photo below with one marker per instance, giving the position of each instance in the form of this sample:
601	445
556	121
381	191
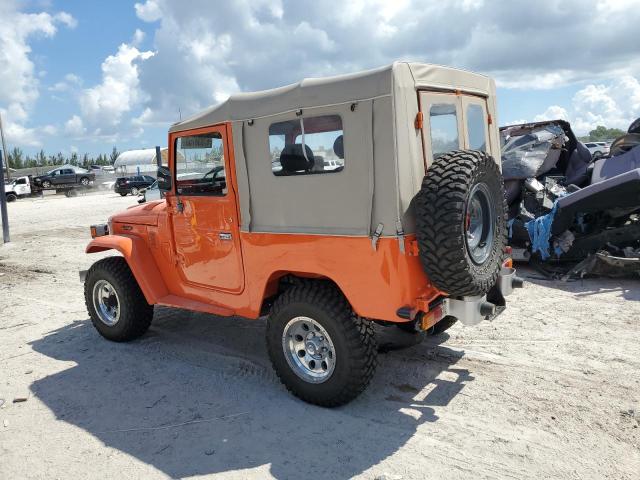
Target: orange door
204	212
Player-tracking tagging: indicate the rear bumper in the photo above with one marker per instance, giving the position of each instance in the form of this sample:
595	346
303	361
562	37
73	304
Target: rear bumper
473	310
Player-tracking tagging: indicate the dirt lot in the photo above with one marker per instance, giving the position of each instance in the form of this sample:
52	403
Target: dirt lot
549	390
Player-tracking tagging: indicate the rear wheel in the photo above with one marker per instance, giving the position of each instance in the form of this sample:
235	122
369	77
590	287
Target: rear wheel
321	351
461	222
123	194
46	184
134	191
115	302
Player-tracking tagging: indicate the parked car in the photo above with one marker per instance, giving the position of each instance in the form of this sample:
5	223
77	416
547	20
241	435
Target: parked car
132	185
65	175
597	149
410	232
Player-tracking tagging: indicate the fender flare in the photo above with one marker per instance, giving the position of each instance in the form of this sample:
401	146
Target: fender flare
140	260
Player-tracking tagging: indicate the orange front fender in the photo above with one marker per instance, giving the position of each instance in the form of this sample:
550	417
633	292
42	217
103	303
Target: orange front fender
140	260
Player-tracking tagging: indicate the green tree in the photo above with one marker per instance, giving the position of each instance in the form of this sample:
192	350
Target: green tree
41	158
16	158
602	133
74	159
30	162
85	160
114	155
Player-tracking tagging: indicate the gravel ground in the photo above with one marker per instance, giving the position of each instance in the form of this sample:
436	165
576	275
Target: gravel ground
551	389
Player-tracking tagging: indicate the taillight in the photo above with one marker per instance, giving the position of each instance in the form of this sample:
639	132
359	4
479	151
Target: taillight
433	316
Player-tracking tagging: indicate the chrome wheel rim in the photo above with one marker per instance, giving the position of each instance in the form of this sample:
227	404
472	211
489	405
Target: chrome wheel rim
479	224
106	302
134	191
308	349
84	181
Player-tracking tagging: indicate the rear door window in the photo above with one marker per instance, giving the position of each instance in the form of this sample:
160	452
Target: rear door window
476	127
443	121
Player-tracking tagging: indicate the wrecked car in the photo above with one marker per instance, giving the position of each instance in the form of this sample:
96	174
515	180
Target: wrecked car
569	214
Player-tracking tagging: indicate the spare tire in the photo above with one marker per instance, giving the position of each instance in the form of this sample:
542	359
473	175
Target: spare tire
461	222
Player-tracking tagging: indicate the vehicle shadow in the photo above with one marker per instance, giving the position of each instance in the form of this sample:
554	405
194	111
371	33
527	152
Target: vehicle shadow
629	288
197	395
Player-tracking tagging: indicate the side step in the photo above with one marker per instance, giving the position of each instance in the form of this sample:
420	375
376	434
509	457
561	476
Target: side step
179	302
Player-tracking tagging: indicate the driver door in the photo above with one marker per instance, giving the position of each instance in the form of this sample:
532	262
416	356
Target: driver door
204	211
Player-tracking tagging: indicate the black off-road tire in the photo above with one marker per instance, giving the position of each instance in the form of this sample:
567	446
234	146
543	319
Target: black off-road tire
440	209
123	194
353	339
135	313
11	197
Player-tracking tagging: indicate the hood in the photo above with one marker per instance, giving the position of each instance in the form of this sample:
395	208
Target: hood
146	214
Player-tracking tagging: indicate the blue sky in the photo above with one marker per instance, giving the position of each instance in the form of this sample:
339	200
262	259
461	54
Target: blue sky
86	75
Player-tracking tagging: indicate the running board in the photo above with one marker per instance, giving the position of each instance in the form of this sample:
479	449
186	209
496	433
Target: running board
180	302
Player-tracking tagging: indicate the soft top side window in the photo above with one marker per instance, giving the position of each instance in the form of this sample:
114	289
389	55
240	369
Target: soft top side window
307	146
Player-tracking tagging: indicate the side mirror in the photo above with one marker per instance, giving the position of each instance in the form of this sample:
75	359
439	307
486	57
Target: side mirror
164	179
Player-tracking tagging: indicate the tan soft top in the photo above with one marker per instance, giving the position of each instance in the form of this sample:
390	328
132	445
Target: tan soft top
384	161
314	92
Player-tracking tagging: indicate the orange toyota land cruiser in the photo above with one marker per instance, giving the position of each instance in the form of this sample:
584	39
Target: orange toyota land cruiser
325	206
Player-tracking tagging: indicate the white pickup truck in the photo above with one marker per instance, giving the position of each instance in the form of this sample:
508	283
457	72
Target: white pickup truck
18	188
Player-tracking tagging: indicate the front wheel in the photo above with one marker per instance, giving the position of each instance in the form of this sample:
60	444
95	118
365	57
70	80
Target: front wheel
134	191
11	197
115	302
84	181
321	351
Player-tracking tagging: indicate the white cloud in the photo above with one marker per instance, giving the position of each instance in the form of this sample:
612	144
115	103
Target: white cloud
148	11
554	112
70	82
67	19
256	44
614	104
138	37
19	83
74	127
104	105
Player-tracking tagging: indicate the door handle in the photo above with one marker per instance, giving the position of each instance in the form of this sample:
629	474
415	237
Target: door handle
179	206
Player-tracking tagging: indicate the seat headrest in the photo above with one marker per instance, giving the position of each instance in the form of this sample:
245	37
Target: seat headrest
293	160
338	147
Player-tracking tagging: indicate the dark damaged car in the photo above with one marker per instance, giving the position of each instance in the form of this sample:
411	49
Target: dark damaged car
569	214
